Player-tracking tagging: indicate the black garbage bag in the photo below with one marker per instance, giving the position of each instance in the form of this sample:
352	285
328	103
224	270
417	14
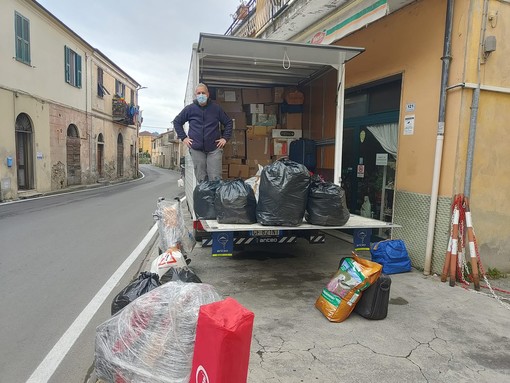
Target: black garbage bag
145	282
283	193
326	205
203	199
235	202
183	274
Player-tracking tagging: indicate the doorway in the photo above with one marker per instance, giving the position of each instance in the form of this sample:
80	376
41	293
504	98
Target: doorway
369	148
120	156
24	152
73	146
100	155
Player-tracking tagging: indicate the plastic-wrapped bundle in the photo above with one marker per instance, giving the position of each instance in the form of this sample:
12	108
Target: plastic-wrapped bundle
172	229
283	193
203	199
235	202
326	204
152	339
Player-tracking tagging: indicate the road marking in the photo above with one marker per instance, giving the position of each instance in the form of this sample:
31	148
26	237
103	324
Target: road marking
51	362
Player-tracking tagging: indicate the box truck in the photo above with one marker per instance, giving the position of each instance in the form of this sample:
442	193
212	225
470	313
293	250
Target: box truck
233	67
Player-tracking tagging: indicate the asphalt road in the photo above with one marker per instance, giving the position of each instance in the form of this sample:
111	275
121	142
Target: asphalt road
56	253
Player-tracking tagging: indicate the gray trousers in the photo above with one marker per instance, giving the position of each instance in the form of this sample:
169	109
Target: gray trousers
207	166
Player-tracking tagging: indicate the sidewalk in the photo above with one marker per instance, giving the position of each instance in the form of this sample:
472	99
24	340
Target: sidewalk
433	332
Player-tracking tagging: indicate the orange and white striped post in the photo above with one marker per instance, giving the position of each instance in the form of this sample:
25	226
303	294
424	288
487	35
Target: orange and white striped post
472	247
455	244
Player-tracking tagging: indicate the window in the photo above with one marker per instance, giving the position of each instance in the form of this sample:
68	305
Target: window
101	90
72	67
22	29
120	89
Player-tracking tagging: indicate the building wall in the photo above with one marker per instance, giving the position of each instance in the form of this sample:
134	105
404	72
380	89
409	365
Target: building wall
491	174
417	56
40	91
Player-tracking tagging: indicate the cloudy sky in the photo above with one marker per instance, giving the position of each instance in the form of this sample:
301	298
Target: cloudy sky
150	40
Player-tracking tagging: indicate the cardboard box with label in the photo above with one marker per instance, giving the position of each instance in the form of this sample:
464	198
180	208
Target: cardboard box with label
280	146
286	133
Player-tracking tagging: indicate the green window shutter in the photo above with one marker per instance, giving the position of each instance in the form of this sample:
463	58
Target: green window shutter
78	71
22	42
17	28
26	41
67	65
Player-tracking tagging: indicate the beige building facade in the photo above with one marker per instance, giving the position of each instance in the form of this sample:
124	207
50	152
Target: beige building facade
70	113
396	86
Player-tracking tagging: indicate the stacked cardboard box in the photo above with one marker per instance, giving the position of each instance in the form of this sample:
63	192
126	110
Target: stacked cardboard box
257	138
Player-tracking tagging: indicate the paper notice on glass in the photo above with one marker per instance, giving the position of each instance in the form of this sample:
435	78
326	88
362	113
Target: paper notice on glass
409	125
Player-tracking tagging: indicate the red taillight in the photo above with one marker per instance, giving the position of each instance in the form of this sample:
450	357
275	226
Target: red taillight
197	225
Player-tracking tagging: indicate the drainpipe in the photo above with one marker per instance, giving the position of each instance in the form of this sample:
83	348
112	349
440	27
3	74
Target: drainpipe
440	136
474	108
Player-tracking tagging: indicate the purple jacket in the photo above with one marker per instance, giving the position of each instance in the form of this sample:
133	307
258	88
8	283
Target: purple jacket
204	127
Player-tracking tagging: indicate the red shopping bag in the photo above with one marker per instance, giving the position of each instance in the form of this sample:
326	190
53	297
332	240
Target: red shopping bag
222	343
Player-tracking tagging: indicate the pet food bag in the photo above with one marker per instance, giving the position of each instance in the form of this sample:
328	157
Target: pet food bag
344	289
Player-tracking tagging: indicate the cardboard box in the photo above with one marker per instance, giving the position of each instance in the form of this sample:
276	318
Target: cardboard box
294	97
258	131
254	108
238	171
253	165
271	108
292	121
262	119
257	148
280	147
239	119
278	93
257	95
229	107
225	95
237	161
236	146
286	133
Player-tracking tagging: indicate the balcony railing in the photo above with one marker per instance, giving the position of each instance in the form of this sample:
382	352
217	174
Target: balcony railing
249	18
123	113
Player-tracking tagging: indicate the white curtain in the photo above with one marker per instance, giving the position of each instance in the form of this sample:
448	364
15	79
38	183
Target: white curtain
387	135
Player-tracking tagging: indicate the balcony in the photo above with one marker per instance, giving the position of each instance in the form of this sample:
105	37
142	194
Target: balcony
123	113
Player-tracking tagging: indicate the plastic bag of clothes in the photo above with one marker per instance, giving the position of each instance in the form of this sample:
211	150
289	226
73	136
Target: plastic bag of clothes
326	204
143	284
203	199
283	193
152	339
344	290
172	229
254	182
235	202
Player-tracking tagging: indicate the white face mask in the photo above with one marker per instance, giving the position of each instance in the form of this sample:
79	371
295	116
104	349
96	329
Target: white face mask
201	98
